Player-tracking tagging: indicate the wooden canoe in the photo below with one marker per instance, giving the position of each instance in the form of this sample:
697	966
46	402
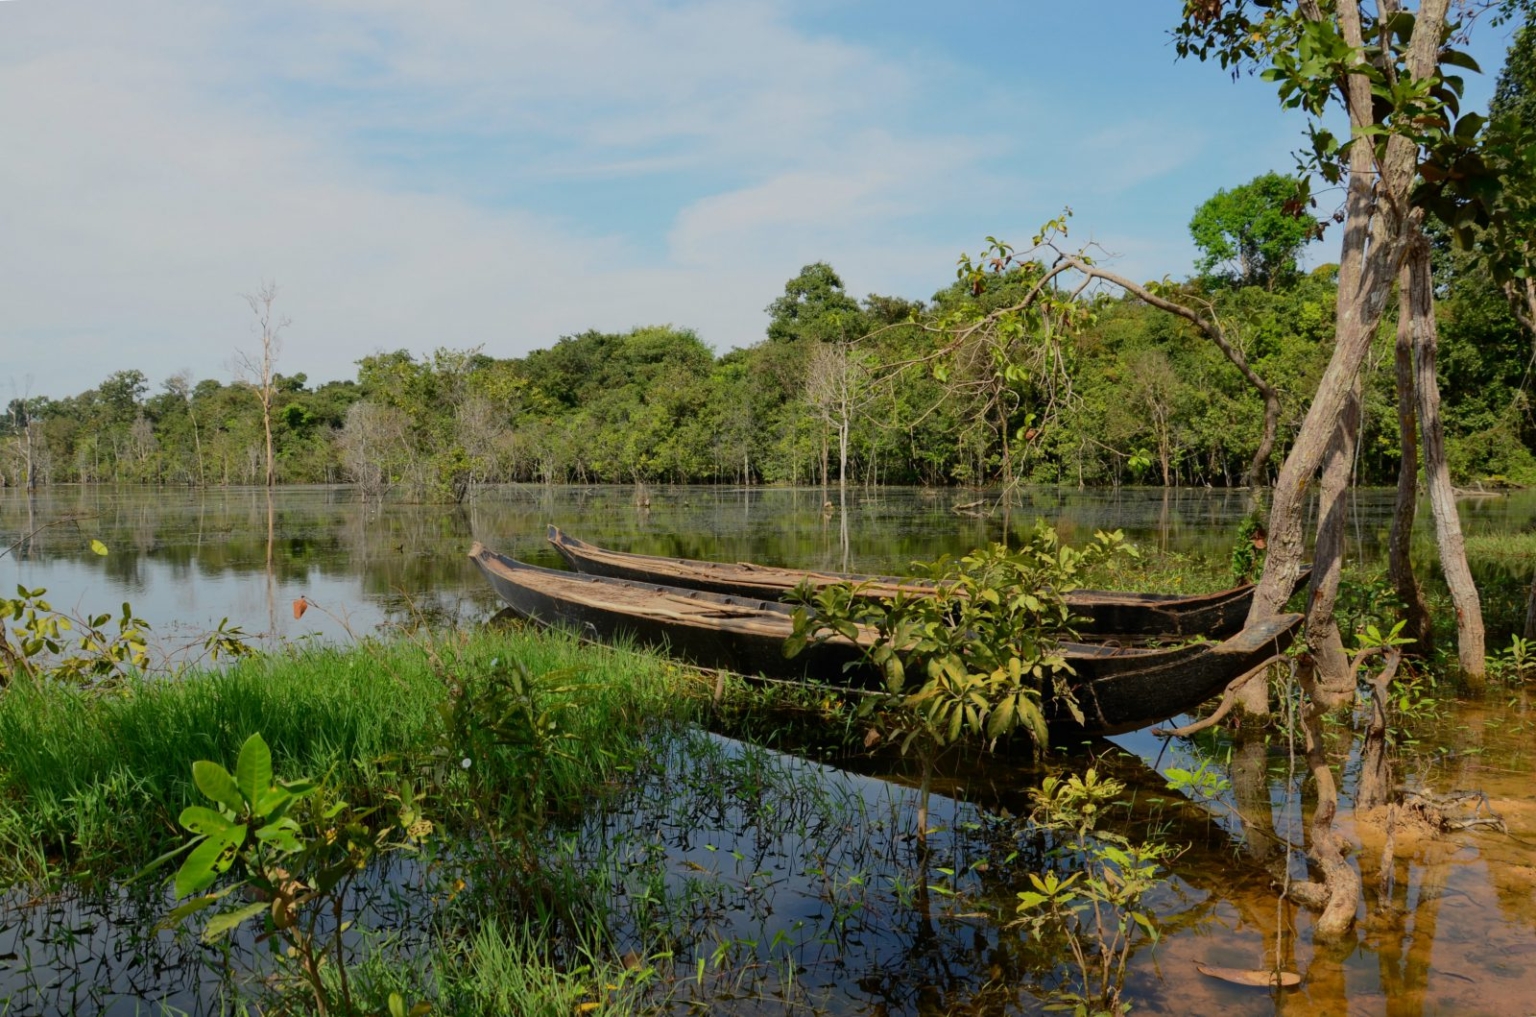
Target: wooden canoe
1106	613
1118	688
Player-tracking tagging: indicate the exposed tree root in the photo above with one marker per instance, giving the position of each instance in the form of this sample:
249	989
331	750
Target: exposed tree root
1228	701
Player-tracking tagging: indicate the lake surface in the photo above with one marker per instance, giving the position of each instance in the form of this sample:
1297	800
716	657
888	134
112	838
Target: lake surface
186	559
791	885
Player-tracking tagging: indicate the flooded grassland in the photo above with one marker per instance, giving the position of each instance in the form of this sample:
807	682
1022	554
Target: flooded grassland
697	870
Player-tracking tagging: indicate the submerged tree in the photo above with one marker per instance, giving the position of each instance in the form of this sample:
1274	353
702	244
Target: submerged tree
257	369
1391	70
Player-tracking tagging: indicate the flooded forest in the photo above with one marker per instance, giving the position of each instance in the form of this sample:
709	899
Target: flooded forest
1057	642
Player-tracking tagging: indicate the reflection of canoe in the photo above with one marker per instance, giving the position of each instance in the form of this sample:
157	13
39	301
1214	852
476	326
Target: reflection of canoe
1216	615
1118	688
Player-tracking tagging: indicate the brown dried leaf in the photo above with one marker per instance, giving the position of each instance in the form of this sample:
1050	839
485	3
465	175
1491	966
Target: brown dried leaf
1259	979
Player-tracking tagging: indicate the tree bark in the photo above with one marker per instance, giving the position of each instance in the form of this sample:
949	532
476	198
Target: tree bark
1522	300
1331	663
1375	783
1418	626
1377	215
1341	888
1437	473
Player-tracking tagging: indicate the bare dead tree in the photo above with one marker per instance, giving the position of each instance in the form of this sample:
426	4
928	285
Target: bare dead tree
1153	390
24	431
257	370
180	386
837	388
374	444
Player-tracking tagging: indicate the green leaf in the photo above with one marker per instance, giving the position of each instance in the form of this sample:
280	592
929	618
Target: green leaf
208	861
281	835
227	920
272	800
253	770
1456	58
98	547
204	820
152	866
192	907
215	782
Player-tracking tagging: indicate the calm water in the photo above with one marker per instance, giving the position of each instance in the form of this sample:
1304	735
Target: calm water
186	559
797	882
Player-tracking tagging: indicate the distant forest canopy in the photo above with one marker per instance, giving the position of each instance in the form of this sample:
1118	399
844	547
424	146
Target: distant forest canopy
1117	391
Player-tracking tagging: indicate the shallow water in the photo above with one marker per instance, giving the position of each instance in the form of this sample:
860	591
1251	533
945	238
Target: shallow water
186	559
751	882
799	884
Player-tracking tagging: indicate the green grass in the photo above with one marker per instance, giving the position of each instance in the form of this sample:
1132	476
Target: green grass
91	781
504	969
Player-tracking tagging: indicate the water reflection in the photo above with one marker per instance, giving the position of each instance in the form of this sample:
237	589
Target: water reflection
193	557
801	887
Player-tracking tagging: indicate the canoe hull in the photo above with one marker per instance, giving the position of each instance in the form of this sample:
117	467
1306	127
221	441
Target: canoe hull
1105	613
1118	689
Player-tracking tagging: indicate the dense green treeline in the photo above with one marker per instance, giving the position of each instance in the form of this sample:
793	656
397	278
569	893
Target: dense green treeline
838	383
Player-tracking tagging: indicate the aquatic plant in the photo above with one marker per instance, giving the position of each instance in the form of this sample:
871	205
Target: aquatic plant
92	779
298	862
976	658
1094	895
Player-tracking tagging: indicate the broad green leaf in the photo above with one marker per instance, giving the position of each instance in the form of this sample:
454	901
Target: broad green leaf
204	820
98	547
281	835
253	770
208	861
227	920
192	907
215	782
272	800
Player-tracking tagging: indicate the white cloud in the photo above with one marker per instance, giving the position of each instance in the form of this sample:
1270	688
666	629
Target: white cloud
414	174
166	157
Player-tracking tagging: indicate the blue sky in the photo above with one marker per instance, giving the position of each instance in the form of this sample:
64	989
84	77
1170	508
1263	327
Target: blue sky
462	173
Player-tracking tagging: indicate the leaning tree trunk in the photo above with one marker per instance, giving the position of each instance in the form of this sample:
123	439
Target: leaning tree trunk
1437	473
1364	285
1522	300
1417	625
1335	681
1377	217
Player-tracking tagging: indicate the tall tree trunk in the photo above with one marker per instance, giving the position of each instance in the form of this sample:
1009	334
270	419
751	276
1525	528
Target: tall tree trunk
842	456
1418	626
824	462
266	423
197	446
1377	216
1335	681
1437	473
1522	300
1364	285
